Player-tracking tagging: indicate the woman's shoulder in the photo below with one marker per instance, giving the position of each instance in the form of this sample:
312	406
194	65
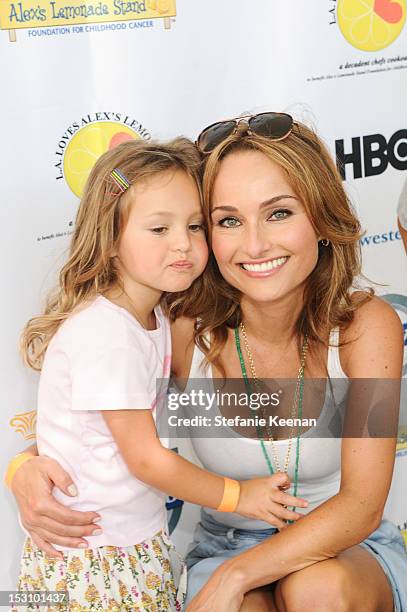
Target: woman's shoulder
372	312
372	344
182	336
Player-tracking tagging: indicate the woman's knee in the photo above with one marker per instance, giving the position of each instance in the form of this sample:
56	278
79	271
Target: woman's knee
327	590
258	600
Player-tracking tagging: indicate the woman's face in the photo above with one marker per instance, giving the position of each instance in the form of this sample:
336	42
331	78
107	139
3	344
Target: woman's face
262	238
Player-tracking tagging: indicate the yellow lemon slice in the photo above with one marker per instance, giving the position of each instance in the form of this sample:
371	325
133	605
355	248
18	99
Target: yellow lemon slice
87	145
371	25
161	6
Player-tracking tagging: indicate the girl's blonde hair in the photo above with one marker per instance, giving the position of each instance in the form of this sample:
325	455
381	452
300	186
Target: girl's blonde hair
314	177
101	217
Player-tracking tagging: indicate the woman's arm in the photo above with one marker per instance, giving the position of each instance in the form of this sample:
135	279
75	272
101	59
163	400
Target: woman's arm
49	522
46	520
367	465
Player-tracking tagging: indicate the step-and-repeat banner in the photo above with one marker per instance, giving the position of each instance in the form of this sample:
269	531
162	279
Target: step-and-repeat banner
80	76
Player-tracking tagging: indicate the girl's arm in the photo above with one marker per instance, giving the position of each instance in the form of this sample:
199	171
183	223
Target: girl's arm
135	434
367	466
163	469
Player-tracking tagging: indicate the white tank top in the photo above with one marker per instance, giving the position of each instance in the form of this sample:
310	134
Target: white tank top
242	458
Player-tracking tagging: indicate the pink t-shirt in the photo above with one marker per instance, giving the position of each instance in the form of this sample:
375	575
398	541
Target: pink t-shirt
101	358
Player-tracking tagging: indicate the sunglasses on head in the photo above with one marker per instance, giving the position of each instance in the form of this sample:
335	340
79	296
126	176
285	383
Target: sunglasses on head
269	125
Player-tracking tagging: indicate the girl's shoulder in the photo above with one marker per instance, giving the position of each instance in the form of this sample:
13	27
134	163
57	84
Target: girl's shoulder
97	323
372	344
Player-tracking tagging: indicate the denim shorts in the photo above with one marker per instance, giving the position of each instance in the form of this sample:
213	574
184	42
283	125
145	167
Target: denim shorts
214	543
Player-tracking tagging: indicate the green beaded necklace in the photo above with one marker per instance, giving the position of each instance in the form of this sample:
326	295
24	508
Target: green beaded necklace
299	407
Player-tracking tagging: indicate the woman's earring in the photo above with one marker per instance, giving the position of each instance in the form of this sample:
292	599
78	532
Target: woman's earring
325	242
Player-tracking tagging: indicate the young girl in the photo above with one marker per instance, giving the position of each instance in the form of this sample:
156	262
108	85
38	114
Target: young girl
103	345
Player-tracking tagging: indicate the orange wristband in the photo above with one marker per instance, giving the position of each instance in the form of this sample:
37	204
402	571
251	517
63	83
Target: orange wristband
230	497
14	465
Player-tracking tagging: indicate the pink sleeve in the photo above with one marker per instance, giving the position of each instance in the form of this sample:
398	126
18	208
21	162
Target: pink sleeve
115	379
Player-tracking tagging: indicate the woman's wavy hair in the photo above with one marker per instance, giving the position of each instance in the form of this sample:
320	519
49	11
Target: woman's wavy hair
101	218
314	177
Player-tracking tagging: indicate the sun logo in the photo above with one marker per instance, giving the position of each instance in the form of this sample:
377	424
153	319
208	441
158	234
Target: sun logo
24	423
371	25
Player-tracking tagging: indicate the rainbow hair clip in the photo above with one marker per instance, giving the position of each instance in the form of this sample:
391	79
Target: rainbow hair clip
120	180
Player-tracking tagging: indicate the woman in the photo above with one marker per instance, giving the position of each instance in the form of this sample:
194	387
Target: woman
276	303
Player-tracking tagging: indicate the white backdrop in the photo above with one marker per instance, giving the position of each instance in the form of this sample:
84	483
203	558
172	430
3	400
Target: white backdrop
74	85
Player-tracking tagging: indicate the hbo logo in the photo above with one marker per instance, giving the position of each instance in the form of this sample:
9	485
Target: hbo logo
370	155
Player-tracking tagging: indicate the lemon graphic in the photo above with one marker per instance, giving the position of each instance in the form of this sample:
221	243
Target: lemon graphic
371	25
88	144
161	6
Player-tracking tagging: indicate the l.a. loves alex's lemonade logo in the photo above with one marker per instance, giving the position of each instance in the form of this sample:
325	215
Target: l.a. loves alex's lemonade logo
54	13
371	25
84	141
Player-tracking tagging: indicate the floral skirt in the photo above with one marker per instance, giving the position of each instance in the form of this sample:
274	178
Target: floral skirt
146	577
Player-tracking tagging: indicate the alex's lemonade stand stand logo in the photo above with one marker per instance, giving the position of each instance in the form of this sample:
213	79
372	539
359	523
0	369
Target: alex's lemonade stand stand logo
56	13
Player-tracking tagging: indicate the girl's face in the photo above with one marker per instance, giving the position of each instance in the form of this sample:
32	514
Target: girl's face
262	238
163	245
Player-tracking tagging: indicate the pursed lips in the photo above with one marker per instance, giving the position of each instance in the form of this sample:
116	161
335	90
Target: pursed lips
182	264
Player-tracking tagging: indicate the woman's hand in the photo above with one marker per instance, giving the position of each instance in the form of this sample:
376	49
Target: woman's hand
47	521
221	592
264	499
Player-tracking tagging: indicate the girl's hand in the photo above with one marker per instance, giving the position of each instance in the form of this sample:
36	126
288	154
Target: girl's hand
264	499
47	521
221	592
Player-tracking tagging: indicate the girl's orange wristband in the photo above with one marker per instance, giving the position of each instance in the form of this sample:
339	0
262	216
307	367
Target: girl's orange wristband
14	465
230	497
